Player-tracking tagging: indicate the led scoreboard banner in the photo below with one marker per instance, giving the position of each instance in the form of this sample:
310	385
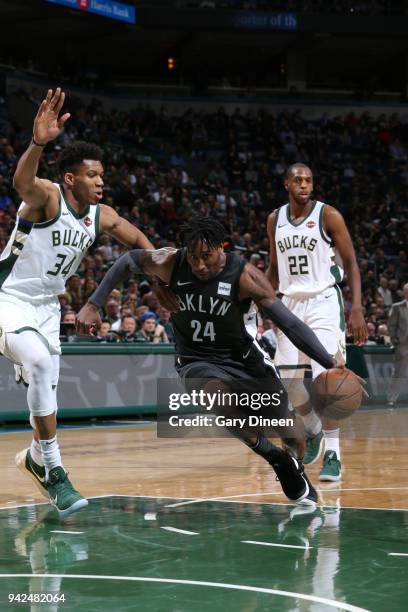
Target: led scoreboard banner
104	8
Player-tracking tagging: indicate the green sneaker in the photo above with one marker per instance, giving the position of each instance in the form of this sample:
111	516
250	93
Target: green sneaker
62	494
331	470
314	447
29	467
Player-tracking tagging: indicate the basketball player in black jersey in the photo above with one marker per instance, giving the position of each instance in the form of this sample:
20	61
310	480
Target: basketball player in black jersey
216	292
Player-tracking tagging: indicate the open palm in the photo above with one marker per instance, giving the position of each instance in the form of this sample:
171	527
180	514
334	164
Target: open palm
47	124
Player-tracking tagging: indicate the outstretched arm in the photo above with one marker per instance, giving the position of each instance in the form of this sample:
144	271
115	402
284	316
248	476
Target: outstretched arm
158	263
255	285
37	192
123	231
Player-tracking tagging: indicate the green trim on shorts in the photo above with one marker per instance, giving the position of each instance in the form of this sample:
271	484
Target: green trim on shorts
294	367
27	328
342	322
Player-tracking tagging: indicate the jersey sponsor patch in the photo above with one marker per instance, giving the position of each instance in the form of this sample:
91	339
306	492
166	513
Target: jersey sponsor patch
311	224
87	221
224	289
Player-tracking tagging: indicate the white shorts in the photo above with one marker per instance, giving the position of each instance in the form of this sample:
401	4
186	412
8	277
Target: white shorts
324	314
17	315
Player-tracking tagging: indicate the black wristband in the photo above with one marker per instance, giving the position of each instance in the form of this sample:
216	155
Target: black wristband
37	144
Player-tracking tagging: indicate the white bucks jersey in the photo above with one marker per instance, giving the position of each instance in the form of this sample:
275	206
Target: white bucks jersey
40	257
306	258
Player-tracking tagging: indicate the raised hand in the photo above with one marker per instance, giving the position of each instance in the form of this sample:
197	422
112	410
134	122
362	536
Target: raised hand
47	124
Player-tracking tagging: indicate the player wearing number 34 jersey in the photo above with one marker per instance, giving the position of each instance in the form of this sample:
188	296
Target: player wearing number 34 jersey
305	238
55	226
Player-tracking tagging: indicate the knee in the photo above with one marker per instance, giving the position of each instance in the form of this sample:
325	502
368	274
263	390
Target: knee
39	368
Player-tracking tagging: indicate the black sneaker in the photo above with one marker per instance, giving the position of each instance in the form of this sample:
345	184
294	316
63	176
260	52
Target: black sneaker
294	482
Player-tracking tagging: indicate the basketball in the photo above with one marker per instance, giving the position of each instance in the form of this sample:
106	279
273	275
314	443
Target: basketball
336	393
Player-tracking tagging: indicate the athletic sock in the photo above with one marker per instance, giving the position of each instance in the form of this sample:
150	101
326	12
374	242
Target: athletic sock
312	423
35	452
51	454
332	441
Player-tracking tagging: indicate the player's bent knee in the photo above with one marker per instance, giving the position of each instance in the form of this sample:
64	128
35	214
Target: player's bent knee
42	410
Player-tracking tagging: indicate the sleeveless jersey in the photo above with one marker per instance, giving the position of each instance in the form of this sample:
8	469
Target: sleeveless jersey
306	258
40	257
212	323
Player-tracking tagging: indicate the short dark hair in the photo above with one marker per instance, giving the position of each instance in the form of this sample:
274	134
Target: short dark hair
203	229
74	154
292	167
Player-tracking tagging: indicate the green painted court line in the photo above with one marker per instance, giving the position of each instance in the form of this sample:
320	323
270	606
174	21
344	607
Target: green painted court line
339	605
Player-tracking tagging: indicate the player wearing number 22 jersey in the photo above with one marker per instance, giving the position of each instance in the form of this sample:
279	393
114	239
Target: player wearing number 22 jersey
307	237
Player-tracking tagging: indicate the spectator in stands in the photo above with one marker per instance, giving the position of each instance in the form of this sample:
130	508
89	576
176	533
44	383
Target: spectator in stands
112	310
385	293
75	292
150	330
105	332
125	311
398	331
396	294
382	334
69	317
164	320
127	331
67	328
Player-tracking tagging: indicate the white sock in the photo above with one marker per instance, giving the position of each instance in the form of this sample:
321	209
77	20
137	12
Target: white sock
35	452
312	423
332	441
51	454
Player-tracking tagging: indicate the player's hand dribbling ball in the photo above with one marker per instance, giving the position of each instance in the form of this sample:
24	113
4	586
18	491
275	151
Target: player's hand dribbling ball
337	393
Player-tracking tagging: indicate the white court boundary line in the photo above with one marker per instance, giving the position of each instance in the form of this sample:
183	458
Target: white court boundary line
168	528
274	544
339	605
224	500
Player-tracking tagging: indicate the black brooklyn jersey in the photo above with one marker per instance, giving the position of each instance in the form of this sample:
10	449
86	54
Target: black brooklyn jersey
211	322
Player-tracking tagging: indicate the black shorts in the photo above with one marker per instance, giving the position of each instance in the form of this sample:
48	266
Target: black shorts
253	375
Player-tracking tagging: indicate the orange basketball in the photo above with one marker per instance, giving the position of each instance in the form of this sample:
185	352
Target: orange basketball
336	393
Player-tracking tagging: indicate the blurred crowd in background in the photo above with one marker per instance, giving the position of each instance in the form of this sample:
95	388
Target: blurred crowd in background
161	168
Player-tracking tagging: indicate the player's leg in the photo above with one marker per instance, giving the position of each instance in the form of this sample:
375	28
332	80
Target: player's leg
294	366
30	349
326	319
285	462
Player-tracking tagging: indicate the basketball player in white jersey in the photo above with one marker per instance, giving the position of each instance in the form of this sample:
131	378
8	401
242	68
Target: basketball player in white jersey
55	226
302	235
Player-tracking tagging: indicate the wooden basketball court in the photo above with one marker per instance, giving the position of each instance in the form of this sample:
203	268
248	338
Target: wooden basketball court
201	524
